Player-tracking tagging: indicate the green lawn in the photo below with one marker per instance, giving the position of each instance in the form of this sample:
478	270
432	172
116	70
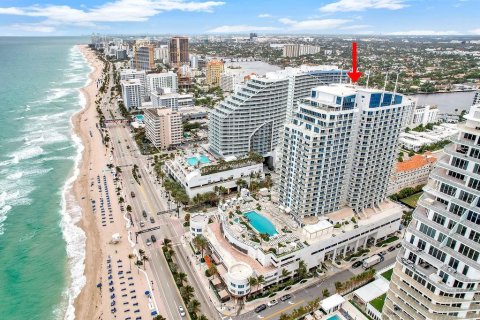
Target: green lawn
377	303
387	241
412	200
388	274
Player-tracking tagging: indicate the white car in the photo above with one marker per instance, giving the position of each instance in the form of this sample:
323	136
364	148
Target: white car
272	303
181	311
149	242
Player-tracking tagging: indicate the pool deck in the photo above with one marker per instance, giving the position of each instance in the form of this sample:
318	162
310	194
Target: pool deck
232	253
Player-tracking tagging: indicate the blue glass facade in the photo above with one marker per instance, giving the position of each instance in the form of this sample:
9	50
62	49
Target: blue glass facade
386	101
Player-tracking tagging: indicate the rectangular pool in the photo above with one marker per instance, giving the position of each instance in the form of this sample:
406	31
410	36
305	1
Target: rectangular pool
261	223
334	317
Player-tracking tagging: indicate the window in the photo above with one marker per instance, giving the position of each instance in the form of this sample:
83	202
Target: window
456	209
438	219
475	236
474	184
466	197
461	229
445	188
438	254
468	252
475	153
469	136
459	163
453	263
473	217
427	230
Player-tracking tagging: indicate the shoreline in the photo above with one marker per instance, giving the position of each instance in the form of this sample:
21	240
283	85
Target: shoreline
86	303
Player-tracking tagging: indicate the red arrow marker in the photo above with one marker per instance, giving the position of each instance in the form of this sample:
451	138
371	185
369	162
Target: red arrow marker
354	75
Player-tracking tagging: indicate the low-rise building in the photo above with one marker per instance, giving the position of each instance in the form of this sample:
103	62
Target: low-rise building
131	93
164	97
270	241
422	115
200	172
414	140
163	127
411	172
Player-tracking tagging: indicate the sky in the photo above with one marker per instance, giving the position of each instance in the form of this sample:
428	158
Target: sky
188	17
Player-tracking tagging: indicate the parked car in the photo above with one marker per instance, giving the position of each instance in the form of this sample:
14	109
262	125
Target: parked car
260	308
399	245
152	220
357	264
132	194
149	242
392	248
285	297
181	311
382	253
144	213
272	303
154	239
142	224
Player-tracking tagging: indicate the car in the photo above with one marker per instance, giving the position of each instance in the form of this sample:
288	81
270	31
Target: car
154	239
132	194
144	213
392	248
357	264
152	220
286	297
181	311
272	303
149	242
398	245
260	308
382	253
142	224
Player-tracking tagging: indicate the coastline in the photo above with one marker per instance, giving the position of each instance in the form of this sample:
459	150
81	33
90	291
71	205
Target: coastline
87	301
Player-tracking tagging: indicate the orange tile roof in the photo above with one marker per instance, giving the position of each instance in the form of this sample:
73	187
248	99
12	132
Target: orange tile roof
417	161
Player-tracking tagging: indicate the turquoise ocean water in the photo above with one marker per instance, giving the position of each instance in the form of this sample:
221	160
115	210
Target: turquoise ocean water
41	250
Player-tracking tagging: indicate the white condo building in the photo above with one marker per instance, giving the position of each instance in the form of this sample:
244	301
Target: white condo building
423	115
161	80
437	272
129	74
333	147
251	119
163	127
164	97
131	93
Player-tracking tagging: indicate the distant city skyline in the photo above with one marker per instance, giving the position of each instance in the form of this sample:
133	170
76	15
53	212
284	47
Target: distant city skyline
385	17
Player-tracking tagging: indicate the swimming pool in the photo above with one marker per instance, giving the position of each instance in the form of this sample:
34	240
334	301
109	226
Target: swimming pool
334	317
139	117
260	223
203	159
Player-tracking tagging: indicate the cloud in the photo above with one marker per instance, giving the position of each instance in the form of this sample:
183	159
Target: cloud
265	15
356	26
240	28
425	33
360	5
115	11
475	31
321	24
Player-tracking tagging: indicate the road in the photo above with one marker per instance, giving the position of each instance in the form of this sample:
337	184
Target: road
150	197
303	296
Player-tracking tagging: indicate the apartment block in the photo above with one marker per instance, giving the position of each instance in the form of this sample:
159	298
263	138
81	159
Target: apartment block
129	74
411	172
214	71
144	57
161	80
251	119
131	93
437	272
332	148
163	127
178	48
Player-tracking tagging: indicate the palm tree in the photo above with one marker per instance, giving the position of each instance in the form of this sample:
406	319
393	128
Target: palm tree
252	282
181	278
159	317
213	270
167	244
186	292
302	269
202	317
193	306
200	243
338	286
129	208
325	293
285	273
144	260
130	257
260	280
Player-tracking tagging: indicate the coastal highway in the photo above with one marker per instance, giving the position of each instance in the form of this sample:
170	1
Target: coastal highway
303	296
150	197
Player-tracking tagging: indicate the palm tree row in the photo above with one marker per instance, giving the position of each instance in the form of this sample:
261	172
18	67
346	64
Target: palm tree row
181	280
355	281
301	311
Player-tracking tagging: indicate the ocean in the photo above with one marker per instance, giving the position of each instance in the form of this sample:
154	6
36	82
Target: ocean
41	249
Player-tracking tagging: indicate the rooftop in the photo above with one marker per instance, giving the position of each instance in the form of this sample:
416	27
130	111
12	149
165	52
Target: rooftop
416	162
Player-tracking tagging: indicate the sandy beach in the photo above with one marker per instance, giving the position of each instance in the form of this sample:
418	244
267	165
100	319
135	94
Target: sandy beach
109	263
90	295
